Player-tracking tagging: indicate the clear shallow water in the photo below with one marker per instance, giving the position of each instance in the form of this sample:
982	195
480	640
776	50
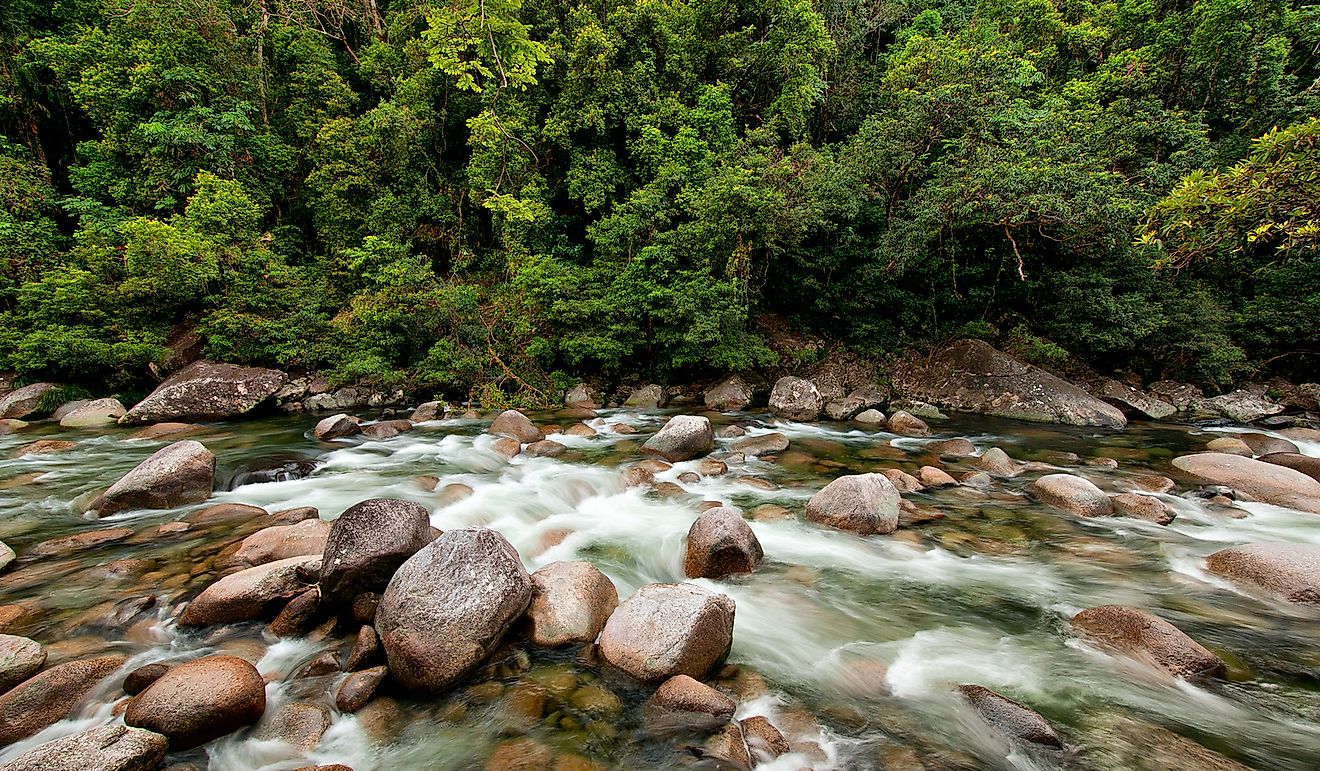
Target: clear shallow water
851	645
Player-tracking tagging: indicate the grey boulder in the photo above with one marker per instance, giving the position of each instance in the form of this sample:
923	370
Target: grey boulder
367	543
684	437
108	748
796	399
175	475
860	503
664	630
207	390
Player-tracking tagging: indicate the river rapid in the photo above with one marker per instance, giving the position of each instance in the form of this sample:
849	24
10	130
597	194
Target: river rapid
851	645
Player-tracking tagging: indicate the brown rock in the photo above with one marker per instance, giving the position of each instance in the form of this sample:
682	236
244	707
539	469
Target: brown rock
1072	494
386	429
249	594
307	538
515	424
756	445
681	693
139	679
996	462
908	424
79	542
1008	717
225	512
571	601
1146	507
44	447
20	658
1149	638
161	430
337	427
1262	481
720	543
368	543
199	701
296	723
178	474
358	688
669	629
1306	464
764	741
954	448
934	477
49	697
861	503
365	652
796	399
545	449
299	616
902	481
728	744
1288	570
684	437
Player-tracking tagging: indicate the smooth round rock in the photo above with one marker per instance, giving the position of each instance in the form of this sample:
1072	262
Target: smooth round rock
50	696
860	503
1288	570
1262	481
720	543
517	425
1008	717
336	427
664	630
907	424
96	413
449	606
756	445
296	723
684	437
367	543
681	693
571	601
1071	493
199	701
358	688
1149	638
1146	507
20	658
175	475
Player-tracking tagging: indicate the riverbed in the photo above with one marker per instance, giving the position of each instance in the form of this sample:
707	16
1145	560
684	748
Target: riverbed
853	645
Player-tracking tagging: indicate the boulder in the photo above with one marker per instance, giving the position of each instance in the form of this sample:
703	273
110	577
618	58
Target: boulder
449	606
796	399
162	430
720	543
867	397
571	601
1256	479
1148	638
681	693
971	376
386	429
1243	406
428	411
1289	570
1133	403
907	424
1231	445
1008	717
1072	494
108	748
861	503
201	700
306	538
581	396
756	445
1146	507
94	414
764	741
729	395
337	427
175	475
902	481
728	748
953	448
23	402
207	390
683	437
930	476
870	417
517	425
368	543
647	397
664	630
545	448
296	723
250	594
1262	444
20	658
1307	464
997	463
49	697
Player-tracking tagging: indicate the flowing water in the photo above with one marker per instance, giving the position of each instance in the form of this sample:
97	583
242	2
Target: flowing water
850	645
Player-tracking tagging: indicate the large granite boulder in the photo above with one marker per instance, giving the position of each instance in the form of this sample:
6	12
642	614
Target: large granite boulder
250	594
571	601
669	629
868	397
796	399
720	543
684	437
50	696
1072	494
368	543
1148	638
517	425
207	390
175	475
860	503
449	606
96	413
337	426
1243	406
1132	402
971	376
1307	464
647	397
201	700
107	748
729	395
1254	479
1288	570
24	401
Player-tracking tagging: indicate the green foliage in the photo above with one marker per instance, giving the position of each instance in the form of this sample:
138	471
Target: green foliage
491	197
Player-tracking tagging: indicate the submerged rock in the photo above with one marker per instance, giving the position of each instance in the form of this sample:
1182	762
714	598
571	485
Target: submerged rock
796	399
684	437
1071	493
181	473
201	700
449	606
571	601
720	543
1008	717
1146	507
682	694
49	697
760	444
1262	481
1288	570
861	503
295	723
764	741
207	390
367	543
664	630
108	748
306	538
971	376
1149	638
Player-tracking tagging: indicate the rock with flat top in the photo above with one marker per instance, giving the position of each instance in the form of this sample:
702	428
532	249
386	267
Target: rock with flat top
1255	479
107	748
571	601
207	390
664	630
